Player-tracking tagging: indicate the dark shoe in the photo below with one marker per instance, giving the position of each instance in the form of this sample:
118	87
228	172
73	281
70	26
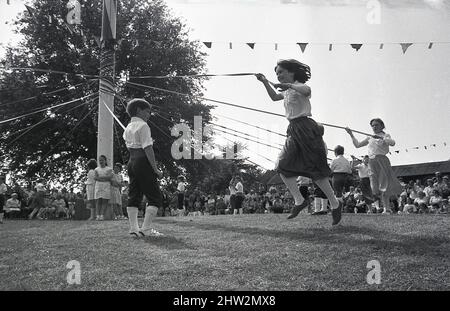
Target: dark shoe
134	234
297	209
337	214
320	213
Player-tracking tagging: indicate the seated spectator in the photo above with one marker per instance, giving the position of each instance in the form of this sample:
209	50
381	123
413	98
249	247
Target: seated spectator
60	207
436	201
421	202
12	207
360	205
428	190
277	205
409	207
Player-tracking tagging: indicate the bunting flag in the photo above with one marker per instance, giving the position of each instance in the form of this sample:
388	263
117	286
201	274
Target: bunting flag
302	46
231	45
381	46
417	147
356	46
31	12
109	20
251	45
208	44
330	47
276	46
430	45
405	46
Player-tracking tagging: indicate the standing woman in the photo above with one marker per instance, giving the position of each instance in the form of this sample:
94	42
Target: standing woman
90	187
232	188
239	199
304	151
3	190
116	191
181	189
383	181
102	192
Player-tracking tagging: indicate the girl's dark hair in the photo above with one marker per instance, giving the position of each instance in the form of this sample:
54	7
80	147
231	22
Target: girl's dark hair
379	121
136	103
104	157
302	72
92	164
118	165
339	150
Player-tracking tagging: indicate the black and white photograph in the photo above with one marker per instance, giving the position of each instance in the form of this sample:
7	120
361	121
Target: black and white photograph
224	153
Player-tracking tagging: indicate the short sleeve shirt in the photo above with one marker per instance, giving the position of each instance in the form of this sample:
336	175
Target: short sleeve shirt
137	135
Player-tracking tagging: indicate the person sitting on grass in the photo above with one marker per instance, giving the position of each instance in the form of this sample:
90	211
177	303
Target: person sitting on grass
12	206
60	207
409	207
435	201
421	202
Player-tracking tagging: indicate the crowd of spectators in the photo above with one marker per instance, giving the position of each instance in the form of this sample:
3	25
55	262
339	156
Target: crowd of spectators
419	197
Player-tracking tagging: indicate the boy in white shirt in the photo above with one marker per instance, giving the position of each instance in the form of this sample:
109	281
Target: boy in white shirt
142	169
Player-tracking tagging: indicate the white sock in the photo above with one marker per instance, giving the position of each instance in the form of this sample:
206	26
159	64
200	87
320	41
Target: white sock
133	218
150	213
324	204
317	202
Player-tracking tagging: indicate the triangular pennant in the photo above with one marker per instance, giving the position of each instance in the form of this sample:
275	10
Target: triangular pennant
276	46
425	147
390	152
231	45
405	46
416	148
208	44
430	45
397	151
445	144
30	10
302	46
330	47
356	46
251	45
381	46
406	150
434	145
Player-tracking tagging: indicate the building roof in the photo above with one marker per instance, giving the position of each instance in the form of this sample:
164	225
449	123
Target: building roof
420	169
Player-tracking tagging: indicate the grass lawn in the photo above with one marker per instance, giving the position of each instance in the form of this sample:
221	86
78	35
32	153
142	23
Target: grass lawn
244	252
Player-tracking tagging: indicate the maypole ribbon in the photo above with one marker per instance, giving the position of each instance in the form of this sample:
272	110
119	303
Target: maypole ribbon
195	76
234	105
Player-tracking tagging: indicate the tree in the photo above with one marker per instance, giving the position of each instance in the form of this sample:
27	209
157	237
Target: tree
53	143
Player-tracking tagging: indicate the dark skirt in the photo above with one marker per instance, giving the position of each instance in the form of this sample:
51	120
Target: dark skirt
304	152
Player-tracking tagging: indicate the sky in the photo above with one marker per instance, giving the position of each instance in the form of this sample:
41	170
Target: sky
408	91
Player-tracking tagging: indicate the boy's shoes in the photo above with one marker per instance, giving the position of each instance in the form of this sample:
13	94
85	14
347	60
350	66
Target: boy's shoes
297	209
150	232
337	214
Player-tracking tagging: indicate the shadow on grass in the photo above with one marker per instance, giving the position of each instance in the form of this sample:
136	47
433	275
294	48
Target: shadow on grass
384	240
168	242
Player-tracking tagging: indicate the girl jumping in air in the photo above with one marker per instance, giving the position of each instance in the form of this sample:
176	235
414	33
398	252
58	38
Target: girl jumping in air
304	152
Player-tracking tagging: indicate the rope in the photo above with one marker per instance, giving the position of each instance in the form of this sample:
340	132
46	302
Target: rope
44	109
234	105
